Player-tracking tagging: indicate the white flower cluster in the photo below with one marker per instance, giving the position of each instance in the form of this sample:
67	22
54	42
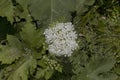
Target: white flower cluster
61	39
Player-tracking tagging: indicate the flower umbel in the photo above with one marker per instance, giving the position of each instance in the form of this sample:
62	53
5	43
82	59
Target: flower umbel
61	39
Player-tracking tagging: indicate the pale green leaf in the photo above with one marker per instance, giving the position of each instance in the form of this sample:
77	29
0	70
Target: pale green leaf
51	10
26	67
23	3
25	12
1	74
82	5
14	42
89	2
31	36
98	68
42	63
9	54
48	74
117	69
12	51
100	65
108	76
6	9
40	73
44	73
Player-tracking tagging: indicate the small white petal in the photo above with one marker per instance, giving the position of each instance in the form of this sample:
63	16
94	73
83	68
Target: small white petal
61	39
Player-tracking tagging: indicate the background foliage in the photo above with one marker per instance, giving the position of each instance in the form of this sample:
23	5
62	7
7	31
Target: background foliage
23	51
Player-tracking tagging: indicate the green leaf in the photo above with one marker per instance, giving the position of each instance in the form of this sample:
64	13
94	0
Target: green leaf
44	73
12	51
100	65
82	6
117	69
42	63
51	10
40	73
1	74
6	9
98	68
118	78
89	2
24	69
14	42
31	36
23	3
48	74
22	9
9	54
48	11
108	76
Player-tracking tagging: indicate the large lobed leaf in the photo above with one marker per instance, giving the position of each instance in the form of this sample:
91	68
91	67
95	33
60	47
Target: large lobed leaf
48	11
51	10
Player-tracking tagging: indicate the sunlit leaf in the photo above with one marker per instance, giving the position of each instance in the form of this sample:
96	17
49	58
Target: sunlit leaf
6	9
26	67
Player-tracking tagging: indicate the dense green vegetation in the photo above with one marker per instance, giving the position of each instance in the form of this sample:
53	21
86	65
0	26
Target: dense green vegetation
24	54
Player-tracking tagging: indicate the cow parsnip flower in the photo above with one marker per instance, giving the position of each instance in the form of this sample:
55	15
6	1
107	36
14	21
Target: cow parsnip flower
61	39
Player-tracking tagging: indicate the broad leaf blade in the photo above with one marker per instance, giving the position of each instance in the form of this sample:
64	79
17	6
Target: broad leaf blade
51	10
100	65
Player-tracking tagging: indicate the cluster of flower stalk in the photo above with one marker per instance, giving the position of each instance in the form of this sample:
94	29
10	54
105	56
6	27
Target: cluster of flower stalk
61	39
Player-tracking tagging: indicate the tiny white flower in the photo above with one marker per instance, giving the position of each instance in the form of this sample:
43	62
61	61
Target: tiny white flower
61	39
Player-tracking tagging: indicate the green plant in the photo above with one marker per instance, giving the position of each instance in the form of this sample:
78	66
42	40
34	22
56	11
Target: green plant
24	54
